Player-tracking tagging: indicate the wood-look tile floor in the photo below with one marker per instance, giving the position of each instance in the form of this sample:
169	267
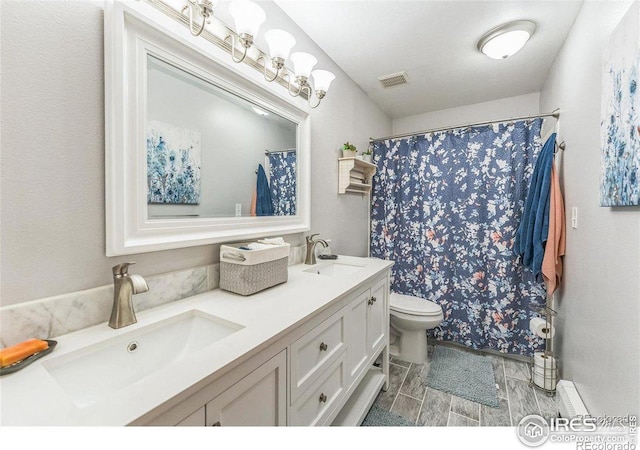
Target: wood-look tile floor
409	396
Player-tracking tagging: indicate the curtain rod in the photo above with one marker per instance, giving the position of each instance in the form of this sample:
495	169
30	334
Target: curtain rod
555	114
266	152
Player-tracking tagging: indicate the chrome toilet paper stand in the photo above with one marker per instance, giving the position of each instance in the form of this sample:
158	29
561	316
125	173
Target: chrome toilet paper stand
550	363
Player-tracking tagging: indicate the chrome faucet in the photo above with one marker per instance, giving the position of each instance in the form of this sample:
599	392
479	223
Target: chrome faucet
124	286
311	246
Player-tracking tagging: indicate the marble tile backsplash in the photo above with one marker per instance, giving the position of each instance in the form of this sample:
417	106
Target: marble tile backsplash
173	286
54	316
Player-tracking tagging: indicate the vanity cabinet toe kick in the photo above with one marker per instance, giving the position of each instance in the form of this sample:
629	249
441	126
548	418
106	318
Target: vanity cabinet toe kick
321	373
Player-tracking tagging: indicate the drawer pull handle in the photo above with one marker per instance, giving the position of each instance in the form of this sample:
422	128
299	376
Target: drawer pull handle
372	300
323	398
323	347
216	424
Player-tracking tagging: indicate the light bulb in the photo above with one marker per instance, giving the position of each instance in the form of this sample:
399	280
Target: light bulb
247	16
280	43
303	64
322	80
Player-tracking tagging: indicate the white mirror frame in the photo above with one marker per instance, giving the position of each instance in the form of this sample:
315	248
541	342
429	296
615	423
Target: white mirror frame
129	36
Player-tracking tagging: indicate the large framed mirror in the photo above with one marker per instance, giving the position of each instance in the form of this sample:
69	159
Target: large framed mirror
196	153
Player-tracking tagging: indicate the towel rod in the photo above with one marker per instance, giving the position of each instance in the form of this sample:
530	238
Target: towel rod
555	114
266	152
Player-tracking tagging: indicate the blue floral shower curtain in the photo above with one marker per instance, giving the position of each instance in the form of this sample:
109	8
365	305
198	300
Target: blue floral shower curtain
282	175
446	207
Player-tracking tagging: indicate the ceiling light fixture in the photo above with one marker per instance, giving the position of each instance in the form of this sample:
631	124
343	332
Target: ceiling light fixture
248	17
507	39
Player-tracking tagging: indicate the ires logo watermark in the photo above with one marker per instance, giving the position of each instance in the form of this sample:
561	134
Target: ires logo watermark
589	433
533	430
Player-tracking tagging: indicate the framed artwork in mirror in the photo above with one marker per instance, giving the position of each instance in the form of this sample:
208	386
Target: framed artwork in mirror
173	164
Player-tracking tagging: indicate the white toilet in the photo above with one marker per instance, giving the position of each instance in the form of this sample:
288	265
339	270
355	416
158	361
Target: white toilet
411	317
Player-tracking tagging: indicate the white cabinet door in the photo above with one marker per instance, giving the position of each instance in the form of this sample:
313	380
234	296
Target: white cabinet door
376	320
258	399
356	324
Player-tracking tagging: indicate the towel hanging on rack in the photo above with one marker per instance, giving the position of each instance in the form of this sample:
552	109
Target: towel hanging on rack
254	203
264	206
532	233
555	246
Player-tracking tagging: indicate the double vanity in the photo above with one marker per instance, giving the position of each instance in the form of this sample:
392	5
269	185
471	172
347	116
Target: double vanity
299	354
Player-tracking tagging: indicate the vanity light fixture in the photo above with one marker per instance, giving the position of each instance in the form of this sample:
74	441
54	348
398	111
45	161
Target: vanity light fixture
248	17
280	44
507	39
204	8
303	64
321	81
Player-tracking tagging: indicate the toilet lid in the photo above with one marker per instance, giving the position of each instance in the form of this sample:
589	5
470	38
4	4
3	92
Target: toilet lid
413	305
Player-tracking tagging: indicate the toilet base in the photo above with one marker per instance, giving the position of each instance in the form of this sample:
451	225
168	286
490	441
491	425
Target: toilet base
413	346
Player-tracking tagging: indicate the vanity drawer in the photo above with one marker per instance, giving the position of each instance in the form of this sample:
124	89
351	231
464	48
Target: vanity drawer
314	352
317	403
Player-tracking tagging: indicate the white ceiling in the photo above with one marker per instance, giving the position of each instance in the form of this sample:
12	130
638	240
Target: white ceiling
435	43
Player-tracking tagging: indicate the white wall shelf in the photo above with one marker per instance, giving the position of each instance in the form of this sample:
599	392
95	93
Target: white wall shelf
355	176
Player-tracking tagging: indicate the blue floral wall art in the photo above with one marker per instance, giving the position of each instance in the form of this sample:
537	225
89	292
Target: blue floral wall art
620	126
173	164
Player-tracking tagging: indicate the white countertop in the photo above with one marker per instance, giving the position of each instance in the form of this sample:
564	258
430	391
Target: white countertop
32	397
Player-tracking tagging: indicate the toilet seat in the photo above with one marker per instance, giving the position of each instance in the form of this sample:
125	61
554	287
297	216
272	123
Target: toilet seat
409	304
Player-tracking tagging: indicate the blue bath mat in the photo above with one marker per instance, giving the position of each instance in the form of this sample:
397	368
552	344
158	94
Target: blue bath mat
463	374
378	417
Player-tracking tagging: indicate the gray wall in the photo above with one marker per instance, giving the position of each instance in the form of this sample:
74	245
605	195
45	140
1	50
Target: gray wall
52	166
599	303
503	108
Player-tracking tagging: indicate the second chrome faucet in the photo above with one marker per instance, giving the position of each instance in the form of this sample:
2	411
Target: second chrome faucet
124	286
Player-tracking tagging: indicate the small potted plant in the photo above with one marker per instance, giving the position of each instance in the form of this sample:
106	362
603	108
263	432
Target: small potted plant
367	155
348	150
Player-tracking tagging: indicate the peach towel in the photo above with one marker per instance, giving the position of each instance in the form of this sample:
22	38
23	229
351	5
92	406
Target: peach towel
555	246
254	199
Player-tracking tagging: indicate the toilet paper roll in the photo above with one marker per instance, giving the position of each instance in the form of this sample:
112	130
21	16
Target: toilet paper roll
540	327
548	373
548	383
541	361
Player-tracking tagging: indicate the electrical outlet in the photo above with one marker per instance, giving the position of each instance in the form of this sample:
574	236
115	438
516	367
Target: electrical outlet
238	209
574	217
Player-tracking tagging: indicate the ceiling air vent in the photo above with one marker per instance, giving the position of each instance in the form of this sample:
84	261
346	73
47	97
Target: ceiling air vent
394	79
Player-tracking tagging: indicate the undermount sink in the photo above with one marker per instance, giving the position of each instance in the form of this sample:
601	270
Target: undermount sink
100	370
335	269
